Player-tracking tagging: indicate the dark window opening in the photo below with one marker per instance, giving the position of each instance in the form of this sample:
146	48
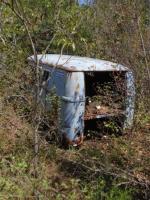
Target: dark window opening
105	97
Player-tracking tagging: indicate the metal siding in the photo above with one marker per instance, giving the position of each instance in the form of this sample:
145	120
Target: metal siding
130	100
76	63
73	107
56	83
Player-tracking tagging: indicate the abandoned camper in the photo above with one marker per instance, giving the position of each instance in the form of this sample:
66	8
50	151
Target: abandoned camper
89	89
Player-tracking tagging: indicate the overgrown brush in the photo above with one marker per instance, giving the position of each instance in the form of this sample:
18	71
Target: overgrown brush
110	168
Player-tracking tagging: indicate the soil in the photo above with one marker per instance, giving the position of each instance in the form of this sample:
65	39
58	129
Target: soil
93	109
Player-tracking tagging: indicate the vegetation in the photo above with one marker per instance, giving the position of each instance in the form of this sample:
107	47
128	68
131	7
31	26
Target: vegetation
109	167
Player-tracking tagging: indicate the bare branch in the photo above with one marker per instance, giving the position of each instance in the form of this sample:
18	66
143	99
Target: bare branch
144	50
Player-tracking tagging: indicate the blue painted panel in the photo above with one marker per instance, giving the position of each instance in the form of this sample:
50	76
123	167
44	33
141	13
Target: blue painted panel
57	81
71	88
73	107
54	83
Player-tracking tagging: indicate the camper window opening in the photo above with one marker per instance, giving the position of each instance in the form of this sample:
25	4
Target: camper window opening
105	92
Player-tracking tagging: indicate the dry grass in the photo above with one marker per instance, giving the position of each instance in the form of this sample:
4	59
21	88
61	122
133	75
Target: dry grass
110	162
110	167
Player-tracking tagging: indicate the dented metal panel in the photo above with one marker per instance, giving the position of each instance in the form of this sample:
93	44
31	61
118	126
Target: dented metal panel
73	106
76	63
71	90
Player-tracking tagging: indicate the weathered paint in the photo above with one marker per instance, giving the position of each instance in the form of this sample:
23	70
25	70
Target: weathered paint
73	106
130	99
54	82
76	63
66	75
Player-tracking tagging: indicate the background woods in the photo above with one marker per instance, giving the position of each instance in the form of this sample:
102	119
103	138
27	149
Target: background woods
113	167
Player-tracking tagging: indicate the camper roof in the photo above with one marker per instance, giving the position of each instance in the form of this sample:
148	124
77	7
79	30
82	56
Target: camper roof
76	63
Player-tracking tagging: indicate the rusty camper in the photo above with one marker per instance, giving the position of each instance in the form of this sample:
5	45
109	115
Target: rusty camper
75	79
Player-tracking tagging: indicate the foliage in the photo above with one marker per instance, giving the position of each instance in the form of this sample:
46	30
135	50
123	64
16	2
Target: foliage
107	168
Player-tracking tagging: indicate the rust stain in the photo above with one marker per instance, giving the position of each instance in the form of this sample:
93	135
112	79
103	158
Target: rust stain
77	87
66	142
